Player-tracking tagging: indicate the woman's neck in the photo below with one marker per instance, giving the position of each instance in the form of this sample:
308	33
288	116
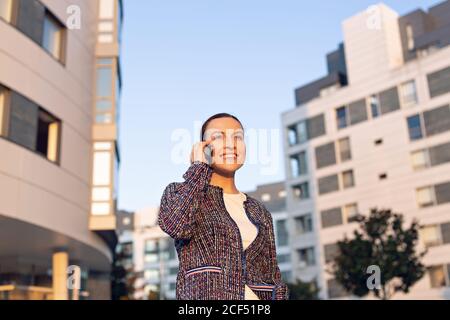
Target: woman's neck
225	181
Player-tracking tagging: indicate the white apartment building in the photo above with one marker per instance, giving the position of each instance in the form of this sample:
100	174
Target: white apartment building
374	132
273	196
154	260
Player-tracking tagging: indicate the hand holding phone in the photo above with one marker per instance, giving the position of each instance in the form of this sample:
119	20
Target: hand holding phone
202	151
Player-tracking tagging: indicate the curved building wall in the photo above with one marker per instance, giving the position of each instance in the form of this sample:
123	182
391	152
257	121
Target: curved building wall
47	83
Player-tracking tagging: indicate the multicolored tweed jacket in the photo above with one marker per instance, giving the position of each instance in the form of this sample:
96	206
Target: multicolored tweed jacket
213	264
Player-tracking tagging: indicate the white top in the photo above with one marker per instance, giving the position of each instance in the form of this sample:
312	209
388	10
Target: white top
234	203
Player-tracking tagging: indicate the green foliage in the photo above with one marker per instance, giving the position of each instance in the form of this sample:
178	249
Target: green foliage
382	241
303	290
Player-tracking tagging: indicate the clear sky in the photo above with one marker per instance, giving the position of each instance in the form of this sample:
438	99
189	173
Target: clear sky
183	61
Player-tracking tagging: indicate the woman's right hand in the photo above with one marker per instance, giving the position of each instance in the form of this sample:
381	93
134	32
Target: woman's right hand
199	149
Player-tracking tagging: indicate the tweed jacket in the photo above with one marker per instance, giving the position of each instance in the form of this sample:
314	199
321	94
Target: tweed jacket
212	262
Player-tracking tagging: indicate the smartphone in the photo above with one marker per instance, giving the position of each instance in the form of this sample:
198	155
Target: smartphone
208	153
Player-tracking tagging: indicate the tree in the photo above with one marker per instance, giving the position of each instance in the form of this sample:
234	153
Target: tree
124	277
382	241
303	290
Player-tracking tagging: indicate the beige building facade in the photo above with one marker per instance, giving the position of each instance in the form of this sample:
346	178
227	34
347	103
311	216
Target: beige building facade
59	98
374	132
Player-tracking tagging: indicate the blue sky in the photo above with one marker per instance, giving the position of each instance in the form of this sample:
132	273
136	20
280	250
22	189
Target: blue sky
183	61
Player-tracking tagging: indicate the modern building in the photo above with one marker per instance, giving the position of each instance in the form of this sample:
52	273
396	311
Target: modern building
273	196
374	132
59	102
153	261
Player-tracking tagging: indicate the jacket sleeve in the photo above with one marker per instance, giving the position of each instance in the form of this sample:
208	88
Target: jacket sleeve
180	201
281	291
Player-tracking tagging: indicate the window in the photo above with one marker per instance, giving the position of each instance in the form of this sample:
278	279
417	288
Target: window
106	9
53	36
32	127
331	217
302	132
442	192
151	274
307	129
286	276
439	154
282	233
301	191
6	10
328	184
2	111
151	257
415	127
283	258
325	155
298	164
100	208
303	224
104	105
107	91
351	212
173	270
292	135
409	94
357	111
315	126
341	117
430	236
389	100
33	19
47	142
420	159
348	179
306	257
445	233
437	276
102	196
425	197
102	168
437	120
330	251
104	82
23	121
104	118
344	149
409	37
439	82
101	146
374	105
151	246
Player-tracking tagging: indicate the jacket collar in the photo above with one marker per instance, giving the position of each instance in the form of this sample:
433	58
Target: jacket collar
250	204
218	191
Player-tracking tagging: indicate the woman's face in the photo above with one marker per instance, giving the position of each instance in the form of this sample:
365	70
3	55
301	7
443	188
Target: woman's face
228	145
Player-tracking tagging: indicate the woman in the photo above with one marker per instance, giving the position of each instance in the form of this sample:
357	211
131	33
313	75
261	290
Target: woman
224	238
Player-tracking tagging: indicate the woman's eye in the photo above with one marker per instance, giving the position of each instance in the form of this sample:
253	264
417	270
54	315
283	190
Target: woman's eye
239	138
